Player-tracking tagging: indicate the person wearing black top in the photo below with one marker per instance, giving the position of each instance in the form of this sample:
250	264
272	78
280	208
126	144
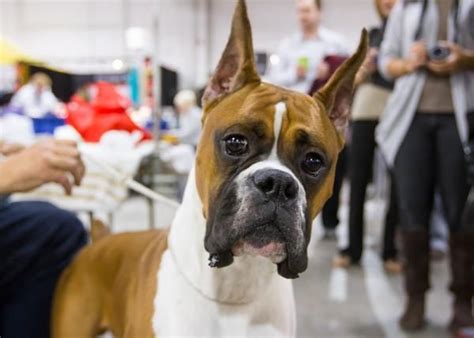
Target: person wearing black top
369	103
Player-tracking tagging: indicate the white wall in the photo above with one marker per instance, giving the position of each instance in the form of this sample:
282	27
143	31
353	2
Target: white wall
71	32
192	32
272	20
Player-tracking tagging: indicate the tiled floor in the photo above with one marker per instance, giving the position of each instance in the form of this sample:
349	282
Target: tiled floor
360	303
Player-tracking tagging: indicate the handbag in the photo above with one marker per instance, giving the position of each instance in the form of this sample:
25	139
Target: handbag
369	102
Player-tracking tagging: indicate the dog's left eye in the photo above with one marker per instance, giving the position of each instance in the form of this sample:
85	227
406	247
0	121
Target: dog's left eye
313	163
236	145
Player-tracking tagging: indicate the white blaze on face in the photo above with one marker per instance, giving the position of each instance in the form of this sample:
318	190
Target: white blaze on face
245	188
273	161
280	111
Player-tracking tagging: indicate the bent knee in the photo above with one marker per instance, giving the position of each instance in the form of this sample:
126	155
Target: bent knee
65	228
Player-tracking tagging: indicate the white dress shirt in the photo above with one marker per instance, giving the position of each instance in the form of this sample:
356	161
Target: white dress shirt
293	49
34	105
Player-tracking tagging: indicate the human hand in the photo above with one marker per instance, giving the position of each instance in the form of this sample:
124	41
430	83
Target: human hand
368	67
301	72
452	64
45	162
323	71
370	63
418	57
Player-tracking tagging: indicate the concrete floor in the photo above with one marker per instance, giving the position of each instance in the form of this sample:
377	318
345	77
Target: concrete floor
362	302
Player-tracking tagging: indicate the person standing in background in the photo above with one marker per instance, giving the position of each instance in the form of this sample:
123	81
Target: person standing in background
301	56
301	62
370	100
330	212
428	47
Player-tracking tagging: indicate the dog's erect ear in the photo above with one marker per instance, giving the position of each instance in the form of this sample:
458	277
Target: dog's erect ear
237	65
336	95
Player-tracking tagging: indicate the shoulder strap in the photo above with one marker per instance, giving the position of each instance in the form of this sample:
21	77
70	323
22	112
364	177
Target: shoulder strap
419	30
456	20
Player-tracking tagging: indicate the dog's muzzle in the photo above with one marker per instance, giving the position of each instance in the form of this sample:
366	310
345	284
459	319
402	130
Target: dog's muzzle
267	219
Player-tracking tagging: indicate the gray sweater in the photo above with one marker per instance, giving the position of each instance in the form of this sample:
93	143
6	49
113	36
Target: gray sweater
402	105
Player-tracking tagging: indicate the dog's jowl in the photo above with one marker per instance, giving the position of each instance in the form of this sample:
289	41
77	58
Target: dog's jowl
265	167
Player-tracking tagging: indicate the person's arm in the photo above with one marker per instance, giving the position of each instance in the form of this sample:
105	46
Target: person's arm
18	98
459	60
50	102
391	62
418	58
342	46
45	162
336	46
368	67
467	60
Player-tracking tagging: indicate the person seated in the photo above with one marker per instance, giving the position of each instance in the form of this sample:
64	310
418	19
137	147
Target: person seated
188	130
37	240
36	98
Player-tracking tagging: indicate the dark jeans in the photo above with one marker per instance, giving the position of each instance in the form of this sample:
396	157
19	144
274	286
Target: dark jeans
431	156
37	241
361	159
331	208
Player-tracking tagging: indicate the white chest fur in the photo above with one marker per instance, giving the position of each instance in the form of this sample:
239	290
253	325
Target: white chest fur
181	311
246	299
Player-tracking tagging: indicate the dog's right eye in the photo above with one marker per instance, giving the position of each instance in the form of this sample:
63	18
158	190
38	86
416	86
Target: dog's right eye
236	145
313	163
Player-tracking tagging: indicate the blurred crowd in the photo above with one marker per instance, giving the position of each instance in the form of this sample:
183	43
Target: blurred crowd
415	103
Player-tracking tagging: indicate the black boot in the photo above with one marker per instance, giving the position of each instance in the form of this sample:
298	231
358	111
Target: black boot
416	262
462	262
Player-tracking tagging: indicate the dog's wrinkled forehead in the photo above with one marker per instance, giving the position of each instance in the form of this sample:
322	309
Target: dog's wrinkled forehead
280	125
239	107
266	161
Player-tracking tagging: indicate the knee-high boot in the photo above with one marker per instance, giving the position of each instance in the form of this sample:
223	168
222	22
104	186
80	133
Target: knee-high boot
415	250
462	274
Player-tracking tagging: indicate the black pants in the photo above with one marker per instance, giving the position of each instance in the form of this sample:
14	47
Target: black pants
431	156
361	159
37	241
331	208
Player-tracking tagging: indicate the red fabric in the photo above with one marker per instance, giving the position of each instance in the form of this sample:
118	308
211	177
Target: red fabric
108	100
107	111
334	62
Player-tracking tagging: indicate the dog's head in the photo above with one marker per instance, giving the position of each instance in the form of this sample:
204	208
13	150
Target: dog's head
266	161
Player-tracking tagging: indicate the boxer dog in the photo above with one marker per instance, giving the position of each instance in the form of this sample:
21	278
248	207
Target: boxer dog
264	169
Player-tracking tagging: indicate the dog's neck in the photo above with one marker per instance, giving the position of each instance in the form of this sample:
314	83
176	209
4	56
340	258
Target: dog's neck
240	283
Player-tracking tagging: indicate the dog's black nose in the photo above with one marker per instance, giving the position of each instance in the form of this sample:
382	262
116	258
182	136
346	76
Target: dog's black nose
276	184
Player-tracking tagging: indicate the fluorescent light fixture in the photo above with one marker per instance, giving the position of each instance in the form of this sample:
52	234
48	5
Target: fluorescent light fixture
274	60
